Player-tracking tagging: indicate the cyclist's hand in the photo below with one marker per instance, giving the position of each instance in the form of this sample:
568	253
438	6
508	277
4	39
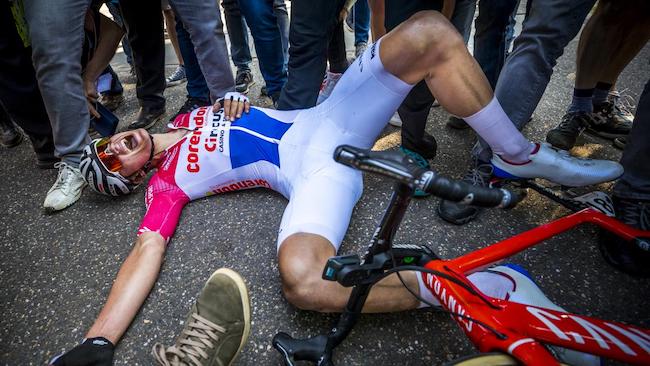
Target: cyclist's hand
234	104
92	352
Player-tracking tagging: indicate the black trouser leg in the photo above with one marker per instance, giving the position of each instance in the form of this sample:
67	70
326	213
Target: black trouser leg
144	26
414	111
336	50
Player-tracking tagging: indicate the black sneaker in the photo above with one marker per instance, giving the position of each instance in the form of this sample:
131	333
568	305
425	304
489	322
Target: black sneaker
610	121
426	147
564	136
147	117
457	123
10	135
243	81
458	214
630	256
620	142
190	105
112	101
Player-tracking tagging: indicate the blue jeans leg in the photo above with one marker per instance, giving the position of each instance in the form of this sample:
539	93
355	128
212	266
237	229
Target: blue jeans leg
266	35
549	26
281	13
196	85
238	34
361	21
463	17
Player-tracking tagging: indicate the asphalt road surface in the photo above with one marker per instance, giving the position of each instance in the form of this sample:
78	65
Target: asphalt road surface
56	271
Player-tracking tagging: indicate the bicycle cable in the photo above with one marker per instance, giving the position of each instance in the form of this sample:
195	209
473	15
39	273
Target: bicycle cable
397	271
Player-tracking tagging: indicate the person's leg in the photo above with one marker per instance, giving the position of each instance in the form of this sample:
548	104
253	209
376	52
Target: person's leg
58	71
238	35
282	15
463	17
361	22
197	87
263	24
311	22
609	41
202	20
377	19
170	25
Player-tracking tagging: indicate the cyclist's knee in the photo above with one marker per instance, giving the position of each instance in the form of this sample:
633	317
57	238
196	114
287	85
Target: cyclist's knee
429	33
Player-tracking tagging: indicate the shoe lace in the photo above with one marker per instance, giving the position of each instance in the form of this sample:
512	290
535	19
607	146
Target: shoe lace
573	122
635	214
197	337
479	174
623	103
179	73
64	179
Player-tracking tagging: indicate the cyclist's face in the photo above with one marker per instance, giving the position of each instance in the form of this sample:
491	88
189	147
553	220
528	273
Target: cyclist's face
132	148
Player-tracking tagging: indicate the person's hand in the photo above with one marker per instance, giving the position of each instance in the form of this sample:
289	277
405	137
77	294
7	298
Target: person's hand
233	104
93	351
90	90
343	14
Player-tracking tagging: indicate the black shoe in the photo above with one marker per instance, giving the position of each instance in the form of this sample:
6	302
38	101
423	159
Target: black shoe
147	117
426	147
620	142
44	149
275	98
10	136
457	123
112	101
610	121
629	256
190	104
456	213
243	81
564	136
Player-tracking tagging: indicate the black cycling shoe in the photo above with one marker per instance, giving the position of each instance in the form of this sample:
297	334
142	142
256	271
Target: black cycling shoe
629	256
96	351
243	81
459	214
609	122
564	136
426	147
147	117
190	104
457	123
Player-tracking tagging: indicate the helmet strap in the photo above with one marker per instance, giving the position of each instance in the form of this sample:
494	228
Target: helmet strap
147	165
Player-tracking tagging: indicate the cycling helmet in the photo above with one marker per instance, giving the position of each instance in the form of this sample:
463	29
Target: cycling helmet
100	178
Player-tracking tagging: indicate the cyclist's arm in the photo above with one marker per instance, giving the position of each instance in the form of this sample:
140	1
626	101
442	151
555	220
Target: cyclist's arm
140	269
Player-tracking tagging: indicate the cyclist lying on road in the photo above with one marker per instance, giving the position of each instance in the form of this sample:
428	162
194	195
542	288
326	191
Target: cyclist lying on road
205	153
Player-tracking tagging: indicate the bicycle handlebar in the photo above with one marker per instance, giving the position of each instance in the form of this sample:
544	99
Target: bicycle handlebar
400	168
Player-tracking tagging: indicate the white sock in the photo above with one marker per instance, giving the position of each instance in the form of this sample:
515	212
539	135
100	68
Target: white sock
494	126
490	283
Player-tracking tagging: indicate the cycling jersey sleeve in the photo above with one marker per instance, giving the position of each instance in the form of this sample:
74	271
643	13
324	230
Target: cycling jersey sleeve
164	205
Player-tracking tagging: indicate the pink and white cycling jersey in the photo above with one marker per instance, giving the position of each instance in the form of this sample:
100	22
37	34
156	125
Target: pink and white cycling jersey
216	156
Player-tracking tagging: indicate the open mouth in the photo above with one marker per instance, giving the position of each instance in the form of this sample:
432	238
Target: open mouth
125	145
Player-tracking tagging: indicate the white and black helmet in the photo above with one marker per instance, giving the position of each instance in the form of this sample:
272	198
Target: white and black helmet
100	178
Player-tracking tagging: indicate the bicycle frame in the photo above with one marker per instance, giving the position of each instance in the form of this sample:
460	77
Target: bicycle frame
524	327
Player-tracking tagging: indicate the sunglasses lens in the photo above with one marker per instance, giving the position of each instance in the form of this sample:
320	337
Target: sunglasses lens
110	161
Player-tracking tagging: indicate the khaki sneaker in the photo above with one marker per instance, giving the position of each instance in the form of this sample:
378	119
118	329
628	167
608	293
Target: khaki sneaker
217	327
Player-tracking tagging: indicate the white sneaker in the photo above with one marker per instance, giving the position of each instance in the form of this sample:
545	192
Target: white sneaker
326	88
395	120
559	167
66	189
526	292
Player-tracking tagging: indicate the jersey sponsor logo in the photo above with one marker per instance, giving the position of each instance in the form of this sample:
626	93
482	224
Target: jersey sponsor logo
195	139
244	184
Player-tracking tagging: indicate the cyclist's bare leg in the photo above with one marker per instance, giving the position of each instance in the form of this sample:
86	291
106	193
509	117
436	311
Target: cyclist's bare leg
302	258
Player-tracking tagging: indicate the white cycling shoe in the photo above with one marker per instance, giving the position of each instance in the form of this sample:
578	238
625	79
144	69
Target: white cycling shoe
525	291
559	167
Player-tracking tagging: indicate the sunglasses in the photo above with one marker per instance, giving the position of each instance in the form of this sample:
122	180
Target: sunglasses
108	159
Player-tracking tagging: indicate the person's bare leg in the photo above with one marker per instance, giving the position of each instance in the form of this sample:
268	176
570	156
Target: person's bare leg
428	47
612	37
302	258
170	24
131	287
376	18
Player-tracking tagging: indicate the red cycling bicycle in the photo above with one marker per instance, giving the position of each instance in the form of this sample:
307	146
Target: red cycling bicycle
512	333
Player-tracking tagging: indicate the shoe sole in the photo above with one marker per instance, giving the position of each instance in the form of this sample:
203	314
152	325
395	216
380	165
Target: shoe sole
177	82
243	291
247	89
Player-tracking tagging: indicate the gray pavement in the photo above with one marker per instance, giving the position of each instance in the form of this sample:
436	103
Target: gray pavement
56	271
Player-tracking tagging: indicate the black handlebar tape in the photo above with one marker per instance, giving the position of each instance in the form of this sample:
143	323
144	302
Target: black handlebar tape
458	191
